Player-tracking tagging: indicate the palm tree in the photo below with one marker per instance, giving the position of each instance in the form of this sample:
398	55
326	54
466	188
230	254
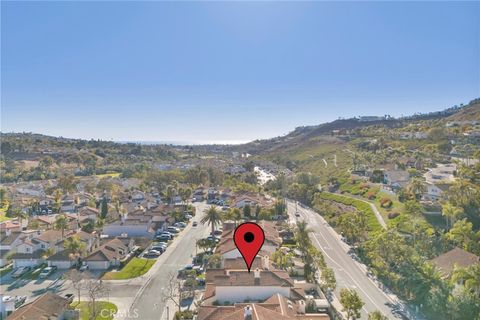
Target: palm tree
233	214
417	188
58	200
212	217
19	214
61	223
451	213
302	237
75	246
184	194
170	193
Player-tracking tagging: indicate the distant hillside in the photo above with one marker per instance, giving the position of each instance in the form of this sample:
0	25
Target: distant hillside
327	149
470	112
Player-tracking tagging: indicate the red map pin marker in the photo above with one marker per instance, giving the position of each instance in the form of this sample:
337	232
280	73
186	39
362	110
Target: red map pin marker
249	238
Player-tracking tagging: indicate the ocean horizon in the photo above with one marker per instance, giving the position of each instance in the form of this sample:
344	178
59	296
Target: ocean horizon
187	143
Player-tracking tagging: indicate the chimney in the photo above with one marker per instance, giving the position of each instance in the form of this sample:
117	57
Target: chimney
256	275
266	263
247	313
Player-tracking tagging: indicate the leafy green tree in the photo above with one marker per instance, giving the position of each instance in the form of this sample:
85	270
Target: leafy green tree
351	302
104	208
205	244
353	226
282	259
327	279
247	211
3	196
413	208
376	315
258	209
462	235
212	217
470	277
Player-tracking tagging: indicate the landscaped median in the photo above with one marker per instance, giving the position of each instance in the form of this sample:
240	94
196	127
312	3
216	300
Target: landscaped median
134	268
371	220
105	310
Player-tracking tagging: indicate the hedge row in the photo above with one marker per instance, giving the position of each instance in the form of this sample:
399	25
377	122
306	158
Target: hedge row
371	220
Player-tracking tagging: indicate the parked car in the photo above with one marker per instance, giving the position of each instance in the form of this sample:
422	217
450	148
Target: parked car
84	267
188	216
158	248
20	272
212	238
160	244
198	269
163	237
217	232
172	229
152	253
47	271
180	225
194	224
19	300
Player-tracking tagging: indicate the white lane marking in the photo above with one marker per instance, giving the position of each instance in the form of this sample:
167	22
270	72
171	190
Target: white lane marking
340	267
360	266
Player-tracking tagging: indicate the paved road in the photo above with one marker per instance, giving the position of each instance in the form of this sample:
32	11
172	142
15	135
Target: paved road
148	302
349	273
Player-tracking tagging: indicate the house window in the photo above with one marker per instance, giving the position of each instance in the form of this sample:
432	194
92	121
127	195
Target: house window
43	246
28	249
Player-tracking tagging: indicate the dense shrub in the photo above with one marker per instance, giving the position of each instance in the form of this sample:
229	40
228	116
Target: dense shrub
393	215
386	203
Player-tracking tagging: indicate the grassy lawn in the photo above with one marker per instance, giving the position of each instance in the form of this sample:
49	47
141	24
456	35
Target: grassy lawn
134	268
84	308
371	220
397	206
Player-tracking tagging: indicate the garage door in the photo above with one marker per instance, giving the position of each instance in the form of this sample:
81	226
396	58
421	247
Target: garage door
60	264
98	265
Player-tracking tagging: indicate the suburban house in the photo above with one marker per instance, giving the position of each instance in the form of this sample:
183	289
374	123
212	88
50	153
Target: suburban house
89	213
10	242
443	173
395	179
48	306
109	254
435	191
236	286
11	226
276	307
138	196
456	257
132	226
31	251
48	221
228	249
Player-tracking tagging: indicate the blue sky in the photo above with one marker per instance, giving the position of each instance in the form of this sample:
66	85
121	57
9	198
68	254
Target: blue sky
229	71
